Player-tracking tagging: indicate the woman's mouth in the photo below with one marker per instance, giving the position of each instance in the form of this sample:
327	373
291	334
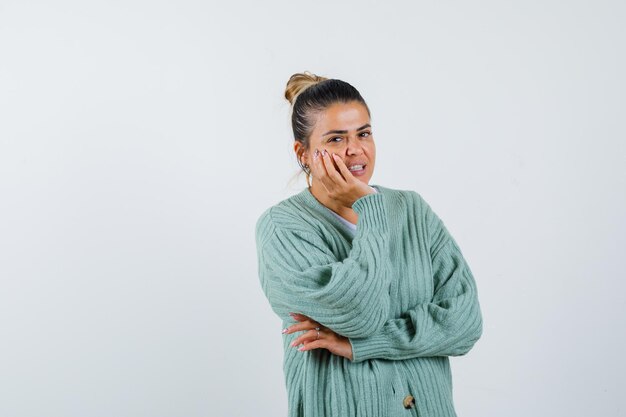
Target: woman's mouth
357	170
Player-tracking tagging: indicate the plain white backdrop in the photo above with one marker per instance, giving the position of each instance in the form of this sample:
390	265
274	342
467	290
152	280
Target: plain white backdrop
140	141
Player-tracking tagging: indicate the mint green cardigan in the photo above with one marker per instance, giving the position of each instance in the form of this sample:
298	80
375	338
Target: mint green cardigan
399	289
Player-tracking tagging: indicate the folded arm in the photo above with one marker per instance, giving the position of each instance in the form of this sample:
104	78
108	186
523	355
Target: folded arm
448	325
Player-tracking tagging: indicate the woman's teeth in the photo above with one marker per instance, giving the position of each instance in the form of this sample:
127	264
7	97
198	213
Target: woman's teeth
356	167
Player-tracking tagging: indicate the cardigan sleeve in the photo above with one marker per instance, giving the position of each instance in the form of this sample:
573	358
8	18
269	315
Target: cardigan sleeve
299	273
448	325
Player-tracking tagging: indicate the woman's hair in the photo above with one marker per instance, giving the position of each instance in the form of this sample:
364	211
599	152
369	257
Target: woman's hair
310	94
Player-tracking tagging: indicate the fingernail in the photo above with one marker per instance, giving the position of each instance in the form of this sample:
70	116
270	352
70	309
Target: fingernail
285	330
325	153
293	344
301	348
316	154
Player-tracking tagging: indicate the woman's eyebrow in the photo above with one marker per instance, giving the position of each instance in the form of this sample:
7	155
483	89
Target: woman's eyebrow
343	132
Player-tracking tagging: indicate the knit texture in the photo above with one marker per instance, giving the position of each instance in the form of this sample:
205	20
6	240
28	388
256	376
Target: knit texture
399	289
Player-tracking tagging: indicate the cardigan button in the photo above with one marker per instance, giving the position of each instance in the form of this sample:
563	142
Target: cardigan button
408	401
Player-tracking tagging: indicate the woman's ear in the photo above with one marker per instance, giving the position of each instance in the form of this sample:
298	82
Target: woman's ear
301	152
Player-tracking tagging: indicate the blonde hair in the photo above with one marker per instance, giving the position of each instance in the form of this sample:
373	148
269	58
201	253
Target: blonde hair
299	82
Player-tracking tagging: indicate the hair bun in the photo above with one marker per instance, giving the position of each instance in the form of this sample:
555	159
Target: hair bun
299	82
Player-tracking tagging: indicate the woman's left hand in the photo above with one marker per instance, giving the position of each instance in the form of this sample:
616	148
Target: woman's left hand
328	339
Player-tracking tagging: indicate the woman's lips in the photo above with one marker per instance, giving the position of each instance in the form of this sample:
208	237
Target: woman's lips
359	172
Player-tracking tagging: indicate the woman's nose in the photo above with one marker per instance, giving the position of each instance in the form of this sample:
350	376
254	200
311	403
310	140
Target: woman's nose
354	147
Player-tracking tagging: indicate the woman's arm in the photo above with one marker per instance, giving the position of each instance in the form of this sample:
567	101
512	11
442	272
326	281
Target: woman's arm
300	274
448	325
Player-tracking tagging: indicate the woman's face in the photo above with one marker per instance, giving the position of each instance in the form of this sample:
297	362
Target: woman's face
344	129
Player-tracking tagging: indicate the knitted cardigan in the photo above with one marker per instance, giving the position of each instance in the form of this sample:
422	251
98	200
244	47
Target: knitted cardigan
399	289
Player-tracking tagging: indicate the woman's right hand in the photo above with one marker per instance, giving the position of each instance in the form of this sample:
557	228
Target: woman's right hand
316	336
341	185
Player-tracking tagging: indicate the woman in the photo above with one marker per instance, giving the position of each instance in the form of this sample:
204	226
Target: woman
372	289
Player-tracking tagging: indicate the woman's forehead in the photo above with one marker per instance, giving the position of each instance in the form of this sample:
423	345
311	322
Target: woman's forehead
342	116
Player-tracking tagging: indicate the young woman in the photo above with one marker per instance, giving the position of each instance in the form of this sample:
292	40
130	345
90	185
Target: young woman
373	291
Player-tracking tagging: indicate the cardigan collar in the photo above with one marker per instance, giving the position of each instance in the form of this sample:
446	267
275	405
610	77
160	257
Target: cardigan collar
309	199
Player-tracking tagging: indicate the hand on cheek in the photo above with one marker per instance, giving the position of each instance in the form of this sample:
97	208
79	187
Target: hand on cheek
316	165
322	162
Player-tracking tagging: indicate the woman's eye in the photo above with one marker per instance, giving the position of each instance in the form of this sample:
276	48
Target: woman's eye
333	139
365	134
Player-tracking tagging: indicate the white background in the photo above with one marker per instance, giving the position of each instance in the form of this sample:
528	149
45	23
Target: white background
141	140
